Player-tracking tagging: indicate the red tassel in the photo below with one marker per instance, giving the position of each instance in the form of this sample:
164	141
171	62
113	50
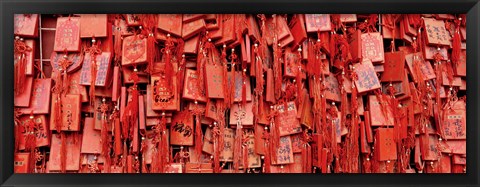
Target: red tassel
155	161
198	135
63	153
233	57
20	75
245	152
164	149
107	165
277	72
367	166
168	51
131	114
456	43
30	140
93	74
309	159
226	87
151	51
417	70
149	22
104	138
94	50
117	42
267	162
20	52
237	148
298	78
18	128
244	89
304	158
58	112
216	147
143	149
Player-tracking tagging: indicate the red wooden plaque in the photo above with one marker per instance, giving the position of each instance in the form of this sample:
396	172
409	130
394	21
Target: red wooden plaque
21	163
214	81
318	22
93	25
283	153
245	114
25	25
75	58
192	28
286	120
42	133
163	97
192	89
394	64
134	50
228	141
67	35
367	78
170	23
23	99
40	101
181	129
73	143
92	142
436	32
377	117
103	70
386	148
71	110
372	47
